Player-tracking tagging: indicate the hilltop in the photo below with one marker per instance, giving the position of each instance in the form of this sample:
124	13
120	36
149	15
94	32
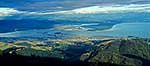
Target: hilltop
134	52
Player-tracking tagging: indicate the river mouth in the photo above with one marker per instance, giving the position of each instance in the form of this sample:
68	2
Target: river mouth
118	30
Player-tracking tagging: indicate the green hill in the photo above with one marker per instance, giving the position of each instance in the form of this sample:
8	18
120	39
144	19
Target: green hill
134	52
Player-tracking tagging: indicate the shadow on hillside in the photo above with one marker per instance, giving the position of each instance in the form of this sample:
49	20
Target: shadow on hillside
145	62
17	60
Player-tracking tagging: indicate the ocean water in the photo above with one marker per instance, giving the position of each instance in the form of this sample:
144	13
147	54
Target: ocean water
22	25
129	29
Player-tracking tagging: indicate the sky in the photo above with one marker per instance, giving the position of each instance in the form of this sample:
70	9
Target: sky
73	9
58	5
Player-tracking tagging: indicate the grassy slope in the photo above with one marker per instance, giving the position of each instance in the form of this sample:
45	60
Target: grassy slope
123	52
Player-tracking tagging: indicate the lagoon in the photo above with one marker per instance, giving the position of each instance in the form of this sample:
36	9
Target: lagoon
119	30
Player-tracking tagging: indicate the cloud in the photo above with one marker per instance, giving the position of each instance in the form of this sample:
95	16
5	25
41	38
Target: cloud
8	11
80	11
107	9
87	10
